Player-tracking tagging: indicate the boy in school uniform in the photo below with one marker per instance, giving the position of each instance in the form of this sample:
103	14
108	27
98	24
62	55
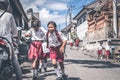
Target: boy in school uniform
56	42
107	51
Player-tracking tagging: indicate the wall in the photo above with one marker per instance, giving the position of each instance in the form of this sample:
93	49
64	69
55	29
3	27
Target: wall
82	29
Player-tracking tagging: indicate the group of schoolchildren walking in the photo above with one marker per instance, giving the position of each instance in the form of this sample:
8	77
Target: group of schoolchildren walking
106	51
56	43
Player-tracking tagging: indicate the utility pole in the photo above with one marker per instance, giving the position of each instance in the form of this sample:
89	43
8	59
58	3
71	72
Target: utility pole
115	18
66	20
70	13
70	8
59	27
70	19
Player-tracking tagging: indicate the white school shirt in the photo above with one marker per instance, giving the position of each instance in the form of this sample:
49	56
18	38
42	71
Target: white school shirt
71	41
53	40
37	35
107	47
100	47
8	28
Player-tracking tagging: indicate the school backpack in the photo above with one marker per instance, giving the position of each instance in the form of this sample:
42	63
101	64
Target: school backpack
58	37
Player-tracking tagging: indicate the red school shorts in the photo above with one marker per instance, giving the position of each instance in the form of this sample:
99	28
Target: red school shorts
55	54
71	44
107	52
99	52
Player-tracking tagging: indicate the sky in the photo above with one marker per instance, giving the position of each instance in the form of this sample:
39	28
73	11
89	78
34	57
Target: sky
54	10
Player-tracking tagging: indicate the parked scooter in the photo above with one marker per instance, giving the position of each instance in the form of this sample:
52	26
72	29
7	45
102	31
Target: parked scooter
23	49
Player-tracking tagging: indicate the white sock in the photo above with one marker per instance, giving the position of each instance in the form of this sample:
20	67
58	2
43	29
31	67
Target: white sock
45	65
40	65
57	72
35	72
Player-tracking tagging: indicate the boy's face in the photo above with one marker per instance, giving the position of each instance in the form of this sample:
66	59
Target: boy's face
51	27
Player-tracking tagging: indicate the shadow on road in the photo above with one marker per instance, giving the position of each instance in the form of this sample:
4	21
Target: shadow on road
73	78
42	77
93	63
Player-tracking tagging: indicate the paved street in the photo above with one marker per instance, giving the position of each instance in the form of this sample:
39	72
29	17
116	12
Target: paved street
79	66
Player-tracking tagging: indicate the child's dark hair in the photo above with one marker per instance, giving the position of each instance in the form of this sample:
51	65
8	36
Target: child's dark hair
53	23
36	24
101	42
4	4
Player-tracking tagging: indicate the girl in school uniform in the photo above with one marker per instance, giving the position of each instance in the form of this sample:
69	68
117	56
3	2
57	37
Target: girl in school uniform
56	42
35	53
100	51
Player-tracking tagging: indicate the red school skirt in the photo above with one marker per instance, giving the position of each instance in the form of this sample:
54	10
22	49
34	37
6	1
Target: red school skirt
99	52
107	52
76	44
35	50
46	55
55	54
71	44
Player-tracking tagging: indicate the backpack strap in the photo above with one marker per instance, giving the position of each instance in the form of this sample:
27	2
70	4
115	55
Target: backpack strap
57	35
2	14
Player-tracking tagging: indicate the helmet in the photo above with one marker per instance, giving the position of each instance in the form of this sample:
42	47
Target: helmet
4	4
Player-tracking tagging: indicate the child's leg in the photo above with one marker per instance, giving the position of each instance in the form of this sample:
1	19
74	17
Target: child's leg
98	56
40	65
107	56
62	68
45	64
101	56
64	76
54	62
34	66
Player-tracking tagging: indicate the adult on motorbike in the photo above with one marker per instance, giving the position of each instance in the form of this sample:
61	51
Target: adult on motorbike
8	30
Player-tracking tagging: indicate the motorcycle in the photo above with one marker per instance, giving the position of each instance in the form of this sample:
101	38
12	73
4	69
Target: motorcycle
23	50
6	68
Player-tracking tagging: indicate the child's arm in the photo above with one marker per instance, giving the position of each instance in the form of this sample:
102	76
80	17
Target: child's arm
62	48
28	33
64	42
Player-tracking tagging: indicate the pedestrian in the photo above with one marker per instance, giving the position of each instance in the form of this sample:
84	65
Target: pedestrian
8	29
56	41
35	52
71	43
77	41
100	51
107	51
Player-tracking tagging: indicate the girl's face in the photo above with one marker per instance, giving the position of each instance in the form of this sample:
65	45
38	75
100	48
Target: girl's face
51	28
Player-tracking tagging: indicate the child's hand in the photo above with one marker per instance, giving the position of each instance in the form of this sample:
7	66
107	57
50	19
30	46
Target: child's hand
61	49
27	35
